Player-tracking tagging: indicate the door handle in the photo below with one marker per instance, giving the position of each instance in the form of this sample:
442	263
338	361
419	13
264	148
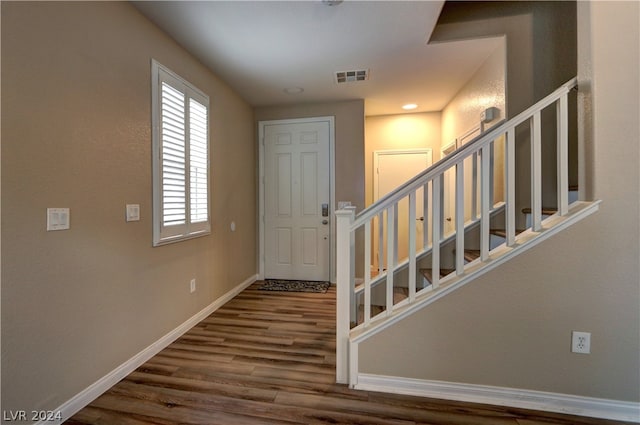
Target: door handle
325	222
420	219
325	210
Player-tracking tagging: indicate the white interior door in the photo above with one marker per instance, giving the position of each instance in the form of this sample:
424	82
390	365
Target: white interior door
392	169
297	201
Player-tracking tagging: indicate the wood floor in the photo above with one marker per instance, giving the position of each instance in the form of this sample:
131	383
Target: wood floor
269	358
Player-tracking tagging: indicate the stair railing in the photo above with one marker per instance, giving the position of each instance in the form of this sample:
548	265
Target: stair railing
384	213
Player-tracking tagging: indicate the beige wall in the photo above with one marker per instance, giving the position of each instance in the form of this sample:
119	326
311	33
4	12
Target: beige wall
403	131
485	89
512	327
77	133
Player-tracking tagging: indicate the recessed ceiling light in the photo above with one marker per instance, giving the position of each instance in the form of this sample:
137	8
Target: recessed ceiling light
293	90
409	106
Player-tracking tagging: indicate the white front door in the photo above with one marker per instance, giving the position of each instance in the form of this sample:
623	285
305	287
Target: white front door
297	210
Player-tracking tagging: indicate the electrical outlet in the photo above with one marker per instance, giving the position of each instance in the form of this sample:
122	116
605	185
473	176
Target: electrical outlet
581	342
192	286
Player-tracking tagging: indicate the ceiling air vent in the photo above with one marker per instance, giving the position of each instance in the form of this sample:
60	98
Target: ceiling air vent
352	76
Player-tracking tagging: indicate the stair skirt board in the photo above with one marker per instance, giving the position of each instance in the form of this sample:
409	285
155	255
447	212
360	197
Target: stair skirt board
501	396
95	390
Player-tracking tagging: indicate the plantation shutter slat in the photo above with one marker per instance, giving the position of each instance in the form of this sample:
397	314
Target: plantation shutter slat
198	162
173	157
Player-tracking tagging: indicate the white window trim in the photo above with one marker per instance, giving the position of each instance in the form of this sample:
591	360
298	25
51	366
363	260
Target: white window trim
168	234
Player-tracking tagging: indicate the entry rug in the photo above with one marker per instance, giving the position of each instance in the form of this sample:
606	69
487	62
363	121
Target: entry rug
295	286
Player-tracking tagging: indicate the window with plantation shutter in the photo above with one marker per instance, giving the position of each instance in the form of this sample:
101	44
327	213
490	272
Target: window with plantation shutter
180	158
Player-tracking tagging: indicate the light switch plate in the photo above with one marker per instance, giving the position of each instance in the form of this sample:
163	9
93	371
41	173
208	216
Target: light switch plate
133	212
58	219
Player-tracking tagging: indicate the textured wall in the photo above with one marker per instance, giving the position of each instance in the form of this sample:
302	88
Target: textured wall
76	132
487	88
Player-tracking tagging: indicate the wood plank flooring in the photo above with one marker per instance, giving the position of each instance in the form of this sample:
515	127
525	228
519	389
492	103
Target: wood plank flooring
269	358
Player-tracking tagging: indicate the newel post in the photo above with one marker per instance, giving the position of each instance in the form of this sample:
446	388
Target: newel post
345	263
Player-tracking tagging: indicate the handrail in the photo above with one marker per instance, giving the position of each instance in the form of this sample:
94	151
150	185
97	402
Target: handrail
459	155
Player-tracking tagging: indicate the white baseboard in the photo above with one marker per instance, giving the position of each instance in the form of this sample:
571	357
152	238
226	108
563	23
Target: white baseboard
76	403
500	396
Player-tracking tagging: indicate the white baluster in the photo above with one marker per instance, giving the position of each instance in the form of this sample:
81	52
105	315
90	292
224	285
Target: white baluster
536	173
425	215
460	218
510	181
474	186
435	223
442	217
381	242
563	155
391	254
485	201
367	273
412	246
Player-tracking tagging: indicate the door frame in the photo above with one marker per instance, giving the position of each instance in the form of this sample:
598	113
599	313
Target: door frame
332	189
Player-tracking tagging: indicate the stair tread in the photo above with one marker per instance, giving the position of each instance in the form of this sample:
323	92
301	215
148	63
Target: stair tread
471	254
503	232
428	273
545	210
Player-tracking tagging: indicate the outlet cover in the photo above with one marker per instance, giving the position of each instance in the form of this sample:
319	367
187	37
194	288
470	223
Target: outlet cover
581	342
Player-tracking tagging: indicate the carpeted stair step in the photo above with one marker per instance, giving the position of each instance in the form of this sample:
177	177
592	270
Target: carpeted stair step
545	210
428	273
553	210
399	294
502	233
469	254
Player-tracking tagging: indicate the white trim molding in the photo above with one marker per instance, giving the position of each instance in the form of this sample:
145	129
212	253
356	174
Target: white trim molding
82	399
501	396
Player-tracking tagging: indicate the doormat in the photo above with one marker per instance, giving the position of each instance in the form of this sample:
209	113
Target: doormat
295	286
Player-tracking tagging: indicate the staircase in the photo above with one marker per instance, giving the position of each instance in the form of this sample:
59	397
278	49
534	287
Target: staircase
485	233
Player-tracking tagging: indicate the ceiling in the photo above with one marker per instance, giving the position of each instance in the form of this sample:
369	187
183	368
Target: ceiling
261	48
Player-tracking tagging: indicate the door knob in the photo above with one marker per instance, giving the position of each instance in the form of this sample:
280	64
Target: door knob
325	222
